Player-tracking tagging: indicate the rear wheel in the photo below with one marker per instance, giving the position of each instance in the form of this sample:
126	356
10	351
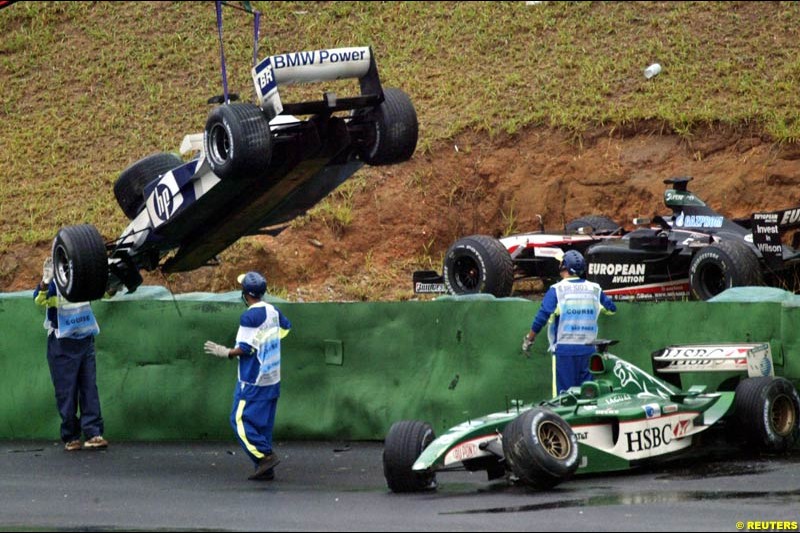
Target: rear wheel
403	445
768	413
129	187
80	264
540	448
237	141
393	130
723	265
478	264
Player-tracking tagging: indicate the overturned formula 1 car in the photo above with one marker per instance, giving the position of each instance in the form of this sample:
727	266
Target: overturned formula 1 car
694	252
624	418
259	166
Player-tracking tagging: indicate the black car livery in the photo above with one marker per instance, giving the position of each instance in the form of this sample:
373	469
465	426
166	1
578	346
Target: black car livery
694	252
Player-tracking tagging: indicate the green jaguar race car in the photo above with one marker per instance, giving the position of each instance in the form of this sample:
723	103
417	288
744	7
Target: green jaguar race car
621	419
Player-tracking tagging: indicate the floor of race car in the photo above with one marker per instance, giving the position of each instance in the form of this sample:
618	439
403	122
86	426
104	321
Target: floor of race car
330	486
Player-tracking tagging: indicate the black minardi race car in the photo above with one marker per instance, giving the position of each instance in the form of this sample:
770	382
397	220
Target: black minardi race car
694	252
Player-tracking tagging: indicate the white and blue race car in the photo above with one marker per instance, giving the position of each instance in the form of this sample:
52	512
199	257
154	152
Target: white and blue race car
259	166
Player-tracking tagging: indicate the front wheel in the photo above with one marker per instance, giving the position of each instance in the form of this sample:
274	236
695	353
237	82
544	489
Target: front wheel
80	265
403	445
540	448
129	187
478	264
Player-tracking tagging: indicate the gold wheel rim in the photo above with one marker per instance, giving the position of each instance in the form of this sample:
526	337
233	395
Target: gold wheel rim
554	439
782	415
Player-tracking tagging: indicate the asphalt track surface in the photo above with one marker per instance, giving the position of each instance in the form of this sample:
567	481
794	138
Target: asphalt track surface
330	486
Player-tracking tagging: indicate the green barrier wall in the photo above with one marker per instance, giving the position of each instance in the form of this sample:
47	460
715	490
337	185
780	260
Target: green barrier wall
349	370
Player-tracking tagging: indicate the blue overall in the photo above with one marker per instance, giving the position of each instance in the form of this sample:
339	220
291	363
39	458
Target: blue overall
73	371
572	323
255	399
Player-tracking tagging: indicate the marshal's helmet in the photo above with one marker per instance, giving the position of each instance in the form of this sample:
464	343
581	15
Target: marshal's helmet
574	263
253	284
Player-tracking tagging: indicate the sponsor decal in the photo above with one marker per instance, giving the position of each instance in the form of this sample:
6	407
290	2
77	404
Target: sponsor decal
666	291
550	253
790	216
699	221
264	77
164	204
615	269
681	428
581	435
649	438
766	236
755	358
620	272
617	398
421	287
319	57
675	197
703	355
767	229
671	408
765	366
764	247
658	436
652	410
462	452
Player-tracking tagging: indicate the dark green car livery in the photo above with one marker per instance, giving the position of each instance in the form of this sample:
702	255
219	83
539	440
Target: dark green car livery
621	419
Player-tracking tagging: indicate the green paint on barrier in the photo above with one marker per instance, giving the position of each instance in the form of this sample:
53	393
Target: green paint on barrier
429	360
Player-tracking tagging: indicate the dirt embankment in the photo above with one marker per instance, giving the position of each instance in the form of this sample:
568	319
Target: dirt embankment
408	214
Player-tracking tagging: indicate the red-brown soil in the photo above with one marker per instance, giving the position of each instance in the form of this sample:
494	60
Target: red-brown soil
407	215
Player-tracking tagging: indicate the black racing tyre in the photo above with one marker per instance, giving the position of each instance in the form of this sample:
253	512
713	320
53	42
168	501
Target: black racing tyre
129	187
540	448
393	130
80	264
601	225
723	265
403	445
767	413
237	142
478	264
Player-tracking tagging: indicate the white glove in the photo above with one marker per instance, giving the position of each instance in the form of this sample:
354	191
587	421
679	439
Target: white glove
47	271
526	344
219	350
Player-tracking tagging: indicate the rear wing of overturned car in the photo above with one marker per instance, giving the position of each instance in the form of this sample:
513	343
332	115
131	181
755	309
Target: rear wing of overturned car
316	66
